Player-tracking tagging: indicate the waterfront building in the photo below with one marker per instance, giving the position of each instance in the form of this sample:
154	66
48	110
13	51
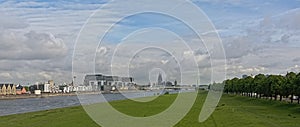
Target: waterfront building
19	89
99	82
24	91
37	86
8	89
13	90
46	87
3	89
32	88
80	88
52	88
37	92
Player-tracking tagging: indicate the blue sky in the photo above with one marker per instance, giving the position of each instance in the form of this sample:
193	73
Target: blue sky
37	37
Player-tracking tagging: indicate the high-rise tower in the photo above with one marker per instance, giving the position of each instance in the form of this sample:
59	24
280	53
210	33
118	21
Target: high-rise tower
159	80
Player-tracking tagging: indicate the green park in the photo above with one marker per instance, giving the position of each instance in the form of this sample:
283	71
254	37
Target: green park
232	110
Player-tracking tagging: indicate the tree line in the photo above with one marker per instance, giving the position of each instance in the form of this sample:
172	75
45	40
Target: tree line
263	86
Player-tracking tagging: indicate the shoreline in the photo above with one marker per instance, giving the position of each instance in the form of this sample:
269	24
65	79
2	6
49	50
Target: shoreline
46	95
27	96
43	95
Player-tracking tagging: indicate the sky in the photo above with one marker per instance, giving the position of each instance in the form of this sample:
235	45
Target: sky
38	40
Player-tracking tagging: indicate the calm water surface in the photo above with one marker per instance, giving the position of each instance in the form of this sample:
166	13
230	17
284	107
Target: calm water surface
8	107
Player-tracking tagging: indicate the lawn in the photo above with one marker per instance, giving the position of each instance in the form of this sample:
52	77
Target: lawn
232	111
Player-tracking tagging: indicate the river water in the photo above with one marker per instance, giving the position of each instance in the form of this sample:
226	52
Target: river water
9	107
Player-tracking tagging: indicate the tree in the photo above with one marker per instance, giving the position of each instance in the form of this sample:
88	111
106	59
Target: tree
26	88
282	83
297	86
276	82
228	88
268	86
291	81
259	81
235	82
248	82
241	86
284	89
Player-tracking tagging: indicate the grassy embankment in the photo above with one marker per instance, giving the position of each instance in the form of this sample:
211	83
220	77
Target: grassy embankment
233	111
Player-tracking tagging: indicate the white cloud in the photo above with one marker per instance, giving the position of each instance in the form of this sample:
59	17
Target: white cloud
5	75
233	2
240	70
36	40
45	75
30	46
12	22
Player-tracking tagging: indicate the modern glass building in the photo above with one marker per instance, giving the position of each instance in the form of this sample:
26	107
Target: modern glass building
100	82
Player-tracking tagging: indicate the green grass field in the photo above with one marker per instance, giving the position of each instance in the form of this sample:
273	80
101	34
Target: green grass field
232	111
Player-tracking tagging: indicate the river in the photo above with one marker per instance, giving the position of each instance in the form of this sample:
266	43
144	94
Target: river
17	106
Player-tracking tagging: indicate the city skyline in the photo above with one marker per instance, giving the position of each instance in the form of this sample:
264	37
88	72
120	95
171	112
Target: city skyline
160	63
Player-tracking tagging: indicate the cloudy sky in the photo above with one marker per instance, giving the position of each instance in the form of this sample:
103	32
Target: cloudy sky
37	40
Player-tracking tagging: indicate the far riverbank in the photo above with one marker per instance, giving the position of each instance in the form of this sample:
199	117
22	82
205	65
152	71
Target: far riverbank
45	95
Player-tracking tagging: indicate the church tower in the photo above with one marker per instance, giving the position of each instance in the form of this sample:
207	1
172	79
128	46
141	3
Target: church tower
159	80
